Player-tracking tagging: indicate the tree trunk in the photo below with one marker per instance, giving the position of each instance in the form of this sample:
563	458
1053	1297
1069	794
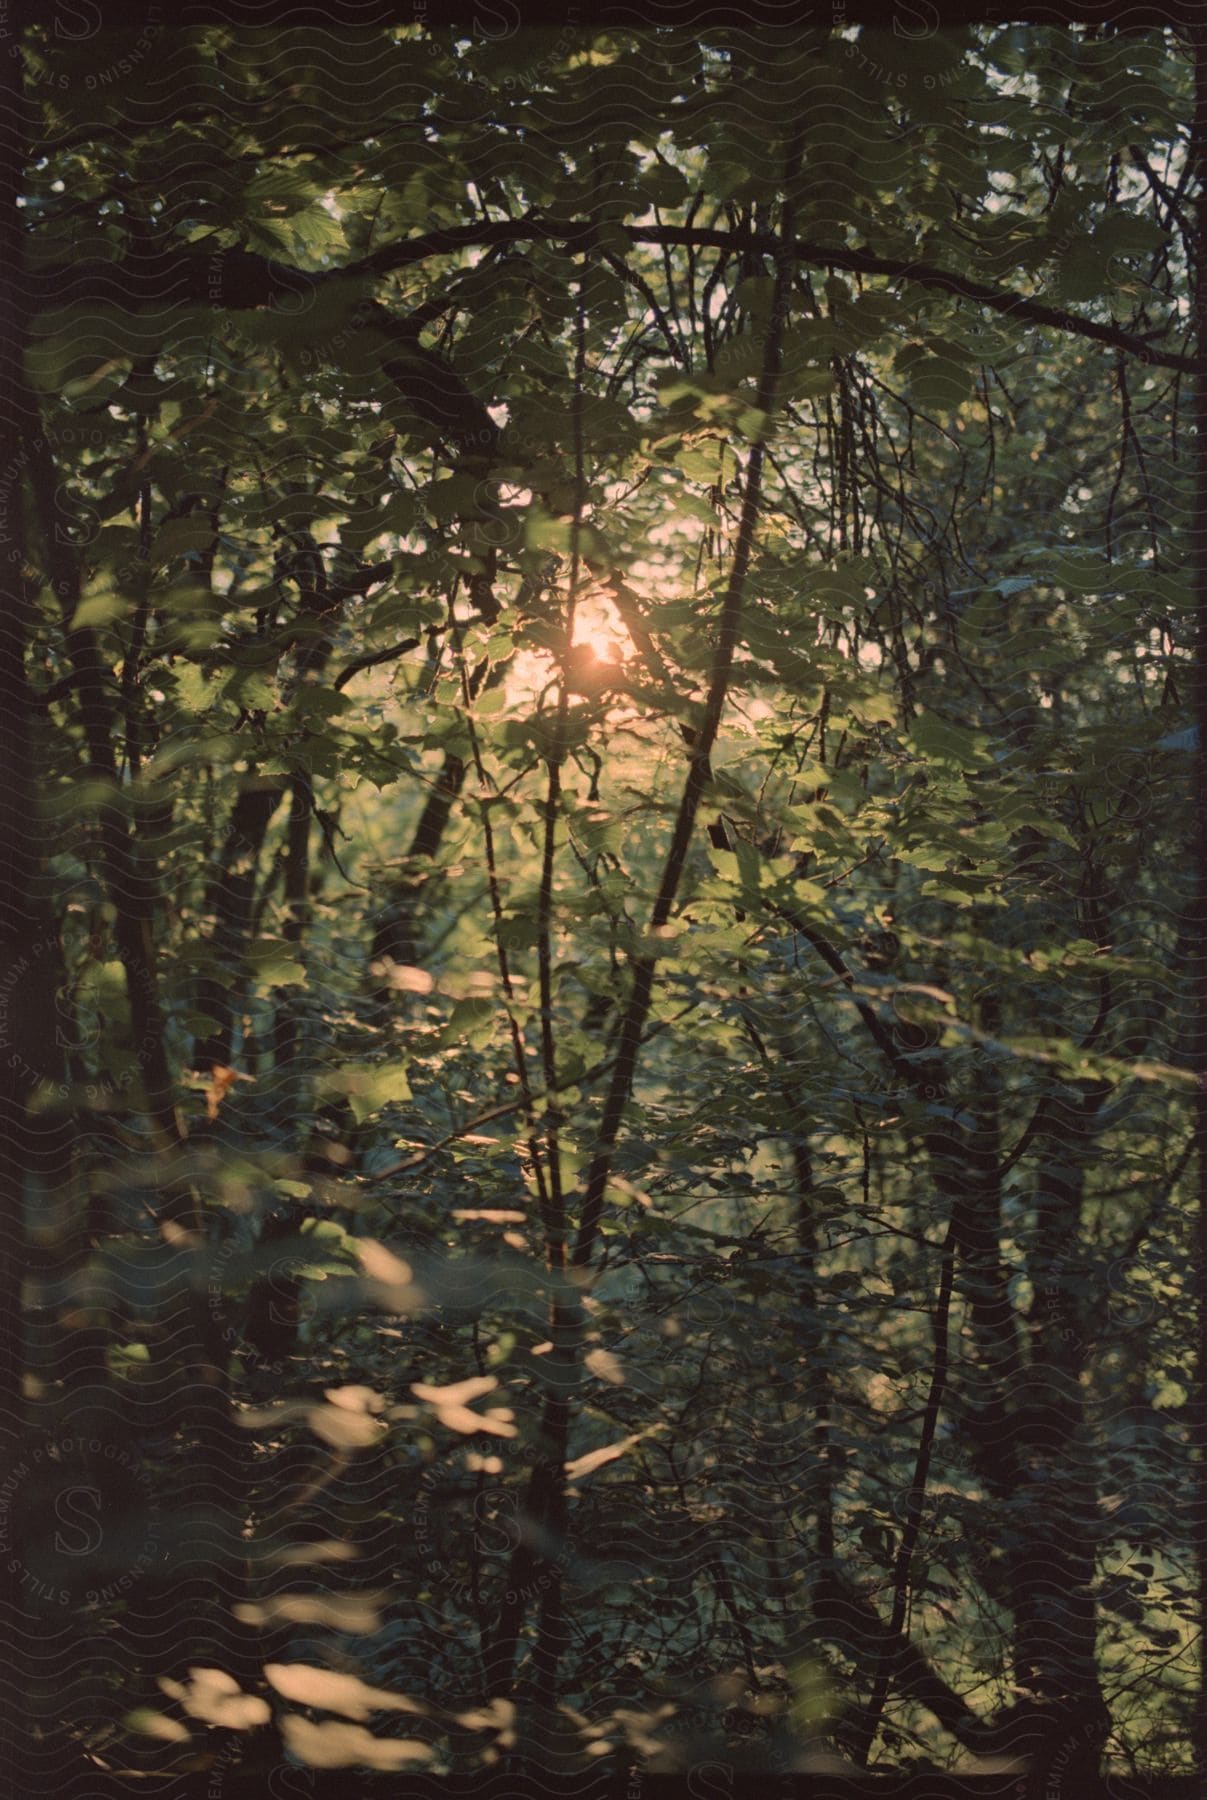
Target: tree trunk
230	901
1198	990
397	933
1052	1571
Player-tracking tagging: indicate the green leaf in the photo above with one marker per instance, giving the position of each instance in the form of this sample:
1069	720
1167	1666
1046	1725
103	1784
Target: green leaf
471	1022
275	964
946	742
366	1087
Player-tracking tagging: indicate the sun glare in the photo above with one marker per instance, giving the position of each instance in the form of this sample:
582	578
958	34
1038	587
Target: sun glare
600	648
598	629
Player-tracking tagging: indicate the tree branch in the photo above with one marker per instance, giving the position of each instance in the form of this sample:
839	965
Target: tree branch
239	280
888	1659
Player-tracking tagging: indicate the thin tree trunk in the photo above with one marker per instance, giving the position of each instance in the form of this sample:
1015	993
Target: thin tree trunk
1198	1000
398	930
1051	1574
983	1282
396	936
816	1377
130	878
24	998
890	1652
287	1024
230	902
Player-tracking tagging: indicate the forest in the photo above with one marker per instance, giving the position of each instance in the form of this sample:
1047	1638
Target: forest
603	1002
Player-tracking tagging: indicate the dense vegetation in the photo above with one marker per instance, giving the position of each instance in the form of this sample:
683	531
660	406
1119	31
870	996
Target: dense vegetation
603	954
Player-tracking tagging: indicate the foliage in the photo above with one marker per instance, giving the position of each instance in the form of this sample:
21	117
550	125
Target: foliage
610	619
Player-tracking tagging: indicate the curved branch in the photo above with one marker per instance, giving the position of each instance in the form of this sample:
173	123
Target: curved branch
372	661
897	1636
580	233
239	280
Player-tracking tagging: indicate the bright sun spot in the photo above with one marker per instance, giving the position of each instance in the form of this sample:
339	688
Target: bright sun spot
598	628
599	638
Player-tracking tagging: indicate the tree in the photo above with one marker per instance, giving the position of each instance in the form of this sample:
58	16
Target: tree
610	648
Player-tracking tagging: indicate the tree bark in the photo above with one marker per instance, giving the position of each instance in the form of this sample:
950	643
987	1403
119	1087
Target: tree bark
230	901
24	995
1198	989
